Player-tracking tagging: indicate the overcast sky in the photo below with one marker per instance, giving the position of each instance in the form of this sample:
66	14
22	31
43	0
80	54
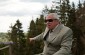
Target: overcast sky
24	10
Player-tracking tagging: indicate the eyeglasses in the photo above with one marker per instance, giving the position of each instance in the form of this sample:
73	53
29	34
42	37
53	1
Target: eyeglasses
49	20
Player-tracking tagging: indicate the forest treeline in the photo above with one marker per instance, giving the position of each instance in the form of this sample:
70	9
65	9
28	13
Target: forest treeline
70	15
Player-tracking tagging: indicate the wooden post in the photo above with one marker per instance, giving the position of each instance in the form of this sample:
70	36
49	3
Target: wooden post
10	50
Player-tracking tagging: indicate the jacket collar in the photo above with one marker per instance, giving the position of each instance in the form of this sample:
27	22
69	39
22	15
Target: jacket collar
56	29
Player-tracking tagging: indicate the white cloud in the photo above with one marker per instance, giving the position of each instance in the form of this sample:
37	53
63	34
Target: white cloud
24	10
17	9
11	10
6	21
40	1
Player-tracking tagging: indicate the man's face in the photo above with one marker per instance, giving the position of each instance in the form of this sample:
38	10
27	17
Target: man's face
51	22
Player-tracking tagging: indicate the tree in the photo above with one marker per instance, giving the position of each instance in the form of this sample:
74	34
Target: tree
65	11
31	33
18	39
35	28
55	7
40	27
72	17
79	5
79	44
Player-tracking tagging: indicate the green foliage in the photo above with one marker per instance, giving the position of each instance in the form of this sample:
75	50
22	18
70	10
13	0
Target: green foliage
64	11
35	29
5	51
79	29
18	39
72	17
31	33
79	5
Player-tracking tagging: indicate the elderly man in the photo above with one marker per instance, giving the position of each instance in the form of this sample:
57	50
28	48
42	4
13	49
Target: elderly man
57	37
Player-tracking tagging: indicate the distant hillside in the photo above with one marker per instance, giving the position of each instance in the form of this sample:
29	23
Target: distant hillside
3	34
3	37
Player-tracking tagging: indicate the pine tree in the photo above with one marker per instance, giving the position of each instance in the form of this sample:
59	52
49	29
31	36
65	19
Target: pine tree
79	48
54	8
18	39
40	27
71	17
31	33
64	11
79	5
45	11
35	29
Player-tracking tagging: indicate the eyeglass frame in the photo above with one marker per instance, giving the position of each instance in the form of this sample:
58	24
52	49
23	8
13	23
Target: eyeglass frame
49	20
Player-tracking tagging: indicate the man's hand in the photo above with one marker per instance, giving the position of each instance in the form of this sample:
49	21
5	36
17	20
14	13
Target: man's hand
31	40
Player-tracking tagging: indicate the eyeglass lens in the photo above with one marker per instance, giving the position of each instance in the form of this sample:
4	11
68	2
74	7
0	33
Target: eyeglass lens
49	20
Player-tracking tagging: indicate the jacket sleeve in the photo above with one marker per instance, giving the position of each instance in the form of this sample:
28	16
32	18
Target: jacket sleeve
39	37
66	44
